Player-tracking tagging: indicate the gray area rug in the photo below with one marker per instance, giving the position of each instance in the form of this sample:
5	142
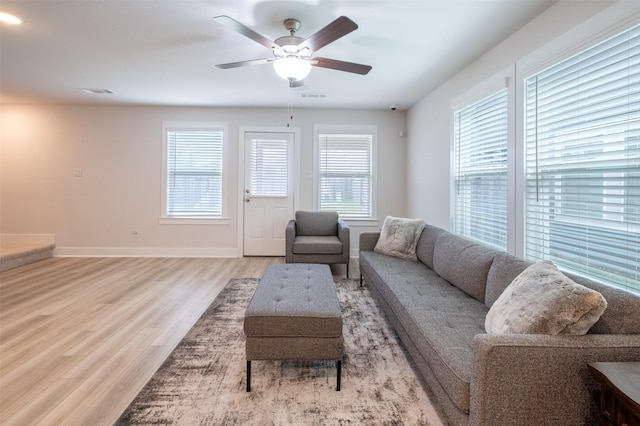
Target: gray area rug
203	380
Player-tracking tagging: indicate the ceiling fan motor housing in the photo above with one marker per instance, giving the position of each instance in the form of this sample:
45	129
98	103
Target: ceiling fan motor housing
290	44
294	50
292	25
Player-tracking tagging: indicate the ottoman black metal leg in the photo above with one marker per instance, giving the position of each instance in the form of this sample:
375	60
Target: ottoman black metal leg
338	374
248	376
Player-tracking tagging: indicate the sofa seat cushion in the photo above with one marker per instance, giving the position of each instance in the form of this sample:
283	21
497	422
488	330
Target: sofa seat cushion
317	245
440	319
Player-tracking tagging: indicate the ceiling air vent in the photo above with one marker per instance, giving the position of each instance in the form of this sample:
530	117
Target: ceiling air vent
98	91
313	95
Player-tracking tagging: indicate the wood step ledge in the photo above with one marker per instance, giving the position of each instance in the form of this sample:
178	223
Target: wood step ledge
15	254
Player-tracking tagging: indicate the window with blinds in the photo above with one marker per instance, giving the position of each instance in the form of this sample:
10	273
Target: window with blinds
480	140
269	167
194	173
583	162
345	175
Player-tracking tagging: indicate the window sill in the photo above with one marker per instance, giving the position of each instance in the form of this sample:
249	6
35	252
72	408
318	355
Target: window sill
362	222
193	221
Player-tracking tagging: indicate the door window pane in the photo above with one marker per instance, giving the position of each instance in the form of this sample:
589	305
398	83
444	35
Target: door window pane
269	171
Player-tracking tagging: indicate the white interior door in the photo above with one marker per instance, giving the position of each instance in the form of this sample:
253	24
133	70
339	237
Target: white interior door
268	192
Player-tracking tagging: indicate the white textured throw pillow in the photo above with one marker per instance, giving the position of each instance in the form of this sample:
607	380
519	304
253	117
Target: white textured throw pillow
399	237
542	300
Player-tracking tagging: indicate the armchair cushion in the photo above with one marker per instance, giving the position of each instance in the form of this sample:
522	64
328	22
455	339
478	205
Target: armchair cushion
317	245
317	237
316	223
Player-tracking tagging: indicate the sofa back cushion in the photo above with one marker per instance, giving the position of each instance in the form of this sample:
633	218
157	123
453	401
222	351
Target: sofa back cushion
464	263
316	223
504	269
426	244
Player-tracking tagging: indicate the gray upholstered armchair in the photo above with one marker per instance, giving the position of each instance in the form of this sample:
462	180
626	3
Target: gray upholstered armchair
317	237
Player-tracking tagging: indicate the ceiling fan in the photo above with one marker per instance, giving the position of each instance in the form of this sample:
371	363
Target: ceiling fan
293	56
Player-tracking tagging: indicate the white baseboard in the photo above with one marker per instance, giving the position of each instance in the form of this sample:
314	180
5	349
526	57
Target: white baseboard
28	238
145	252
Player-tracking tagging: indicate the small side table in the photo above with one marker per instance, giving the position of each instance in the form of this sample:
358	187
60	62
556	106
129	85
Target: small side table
620	392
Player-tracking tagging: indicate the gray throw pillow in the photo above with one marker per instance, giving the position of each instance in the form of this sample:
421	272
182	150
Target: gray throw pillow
542	300
399	237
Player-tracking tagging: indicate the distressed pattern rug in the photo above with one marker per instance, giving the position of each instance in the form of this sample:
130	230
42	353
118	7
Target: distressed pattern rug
203	380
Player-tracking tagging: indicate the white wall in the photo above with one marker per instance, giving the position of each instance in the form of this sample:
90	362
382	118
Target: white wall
119	149
429	122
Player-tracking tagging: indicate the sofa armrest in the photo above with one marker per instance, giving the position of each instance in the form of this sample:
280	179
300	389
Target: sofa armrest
539	379
368	241
289	236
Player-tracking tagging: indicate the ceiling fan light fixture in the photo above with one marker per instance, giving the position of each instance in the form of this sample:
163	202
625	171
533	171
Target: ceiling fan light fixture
292	68
9	18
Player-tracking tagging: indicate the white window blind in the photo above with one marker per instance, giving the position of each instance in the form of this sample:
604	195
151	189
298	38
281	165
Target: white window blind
194	173
583	162
345	174
269	170
481	170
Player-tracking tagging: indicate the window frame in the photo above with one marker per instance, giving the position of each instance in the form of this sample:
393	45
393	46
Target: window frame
501	80
476	118
530	68
617	19
371	130
169	126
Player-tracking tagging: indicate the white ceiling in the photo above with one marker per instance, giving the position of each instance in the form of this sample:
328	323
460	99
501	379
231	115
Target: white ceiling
162	52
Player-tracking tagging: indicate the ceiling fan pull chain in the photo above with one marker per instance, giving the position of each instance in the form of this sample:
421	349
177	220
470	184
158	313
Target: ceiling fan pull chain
289	106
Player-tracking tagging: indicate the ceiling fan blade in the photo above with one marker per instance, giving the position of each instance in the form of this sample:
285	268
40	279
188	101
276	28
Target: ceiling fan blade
246	31
245	63
336	29
334	64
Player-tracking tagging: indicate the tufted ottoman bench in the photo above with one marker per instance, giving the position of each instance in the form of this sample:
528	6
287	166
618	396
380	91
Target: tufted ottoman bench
294	314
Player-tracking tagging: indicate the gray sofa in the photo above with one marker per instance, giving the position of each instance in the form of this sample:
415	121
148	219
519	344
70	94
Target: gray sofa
438	306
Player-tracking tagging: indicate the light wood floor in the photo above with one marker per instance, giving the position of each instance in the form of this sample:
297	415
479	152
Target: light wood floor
79	337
